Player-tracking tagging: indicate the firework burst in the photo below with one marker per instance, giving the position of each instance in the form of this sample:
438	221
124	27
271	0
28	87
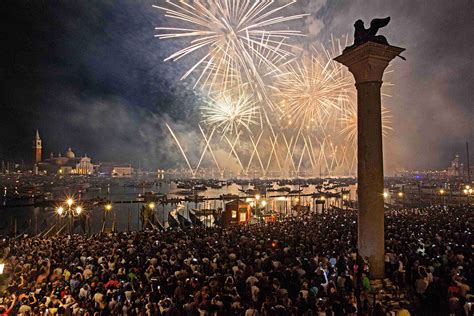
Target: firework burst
232	36
229	115
312	91
349	121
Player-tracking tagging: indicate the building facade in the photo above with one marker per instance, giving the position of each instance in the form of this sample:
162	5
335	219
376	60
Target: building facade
457	168
70	164
67	164
111	169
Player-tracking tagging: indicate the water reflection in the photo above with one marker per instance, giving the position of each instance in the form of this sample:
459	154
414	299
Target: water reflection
33	220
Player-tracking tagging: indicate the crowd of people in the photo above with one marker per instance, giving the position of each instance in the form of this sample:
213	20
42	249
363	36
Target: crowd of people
298	266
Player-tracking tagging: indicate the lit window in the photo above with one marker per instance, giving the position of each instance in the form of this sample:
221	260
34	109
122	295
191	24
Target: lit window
234	214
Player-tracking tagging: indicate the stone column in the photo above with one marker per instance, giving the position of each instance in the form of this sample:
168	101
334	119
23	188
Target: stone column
367	62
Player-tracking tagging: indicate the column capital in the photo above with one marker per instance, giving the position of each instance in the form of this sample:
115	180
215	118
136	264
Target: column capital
368	61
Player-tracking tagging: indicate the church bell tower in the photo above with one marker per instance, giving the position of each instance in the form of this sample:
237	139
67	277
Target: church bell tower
37	148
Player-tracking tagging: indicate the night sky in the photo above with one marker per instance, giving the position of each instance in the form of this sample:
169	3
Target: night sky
91	75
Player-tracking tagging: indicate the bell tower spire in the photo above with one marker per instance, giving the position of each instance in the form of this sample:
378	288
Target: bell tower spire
37	148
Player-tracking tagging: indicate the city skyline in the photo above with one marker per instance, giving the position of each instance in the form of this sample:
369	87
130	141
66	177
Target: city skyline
456	165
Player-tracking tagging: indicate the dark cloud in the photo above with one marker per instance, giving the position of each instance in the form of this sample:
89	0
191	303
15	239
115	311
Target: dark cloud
90	74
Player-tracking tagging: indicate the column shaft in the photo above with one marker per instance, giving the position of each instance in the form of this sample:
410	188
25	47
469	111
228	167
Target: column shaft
370	176
367	62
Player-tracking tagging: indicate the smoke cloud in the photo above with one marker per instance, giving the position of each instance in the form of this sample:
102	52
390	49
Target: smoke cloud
92	76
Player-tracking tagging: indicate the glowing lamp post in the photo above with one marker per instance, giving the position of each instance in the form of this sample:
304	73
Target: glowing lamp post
323	199
60	211
107	210
264	205
468	191
441	195
386	195
70	212
148	214
345	197
257	208
78	210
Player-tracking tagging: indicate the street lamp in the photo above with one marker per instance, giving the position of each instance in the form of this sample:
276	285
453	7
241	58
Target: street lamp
468	192
107	209
78	210
441	194
147	215
344	197
386	197
264	206
257	209
69	212
400	194
323	198
60	210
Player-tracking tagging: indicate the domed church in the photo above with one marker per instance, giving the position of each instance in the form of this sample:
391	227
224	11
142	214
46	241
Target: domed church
67	164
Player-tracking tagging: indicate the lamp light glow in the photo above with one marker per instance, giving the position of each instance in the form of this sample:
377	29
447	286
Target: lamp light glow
60	210
78	210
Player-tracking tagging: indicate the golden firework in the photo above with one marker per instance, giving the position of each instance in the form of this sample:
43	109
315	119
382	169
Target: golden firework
231	37
312	91
230	114
349	121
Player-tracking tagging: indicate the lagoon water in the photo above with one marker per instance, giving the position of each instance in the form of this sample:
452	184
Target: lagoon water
31	220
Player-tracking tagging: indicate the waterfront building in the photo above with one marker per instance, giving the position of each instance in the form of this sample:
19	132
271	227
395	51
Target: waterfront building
115	170
67	164
457	168
122	171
